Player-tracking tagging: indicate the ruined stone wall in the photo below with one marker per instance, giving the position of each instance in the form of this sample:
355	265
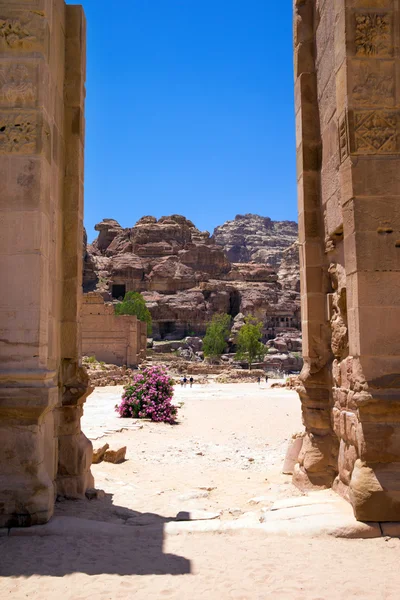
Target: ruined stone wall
347	71
42	386
118	340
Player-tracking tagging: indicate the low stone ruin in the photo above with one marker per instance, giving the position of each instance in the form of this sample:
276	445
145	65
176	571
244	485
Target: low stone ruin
102	374
116	339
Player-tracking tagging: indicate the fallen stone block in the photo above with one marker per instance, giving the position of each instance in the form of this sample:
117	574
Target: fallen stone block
321	525
98	454
115	456
310	499
292	455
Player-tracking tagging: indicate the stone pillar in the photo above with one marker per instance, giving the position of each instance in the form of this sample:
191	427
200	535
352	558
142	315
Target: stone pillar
318	459
75	450
355	46
34	259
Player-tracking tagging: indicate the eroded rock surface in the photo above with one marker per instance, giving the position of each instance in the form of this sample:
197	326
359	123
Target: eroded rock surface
186	277
252	238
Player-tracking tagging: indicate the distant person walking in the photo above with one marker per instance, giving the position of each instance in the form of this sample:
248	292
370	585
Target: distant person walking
259	380
191	381
266	379
184	381
181	381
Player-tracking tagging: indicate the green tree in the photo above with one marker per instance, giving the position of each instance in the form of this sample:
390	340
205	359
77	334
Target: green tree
134	304
216	336
249	345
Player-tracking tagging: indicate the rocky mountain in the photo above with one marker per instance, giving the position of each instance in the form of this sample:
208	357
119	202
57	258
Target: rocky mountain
251	238
186	277
289	268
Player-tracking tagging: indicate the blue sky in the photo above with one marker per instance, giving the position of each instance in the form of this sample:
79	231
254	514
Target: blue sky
189	110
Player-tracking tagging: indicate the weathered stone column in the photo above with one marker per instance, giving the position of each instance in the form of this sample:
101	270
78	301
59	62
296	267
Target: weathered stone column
34	258
356	49
369	107
318	459
75	450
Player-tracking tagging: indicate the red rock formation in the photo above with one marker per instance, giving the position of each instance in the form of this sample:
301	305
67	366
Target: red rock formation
252	238
186	277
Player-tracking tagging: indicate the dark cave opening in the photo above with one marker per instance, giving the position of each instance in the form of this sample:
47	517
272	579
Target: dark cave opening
118	291
166	328
234	304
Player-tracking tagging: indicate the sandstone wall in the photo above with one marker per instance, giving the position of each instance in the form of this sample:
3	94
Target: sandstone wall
42	386
117	340
348	148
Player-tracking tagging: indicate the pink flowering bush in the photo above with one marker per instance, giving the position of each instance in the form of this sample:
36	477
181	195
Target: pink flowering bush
149	396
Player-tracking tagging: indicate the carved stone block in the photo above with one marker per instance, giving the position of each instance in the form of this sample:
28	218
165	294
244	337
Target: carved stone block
22	30
24	132
373	34
373	83
375	132
18	85
18	133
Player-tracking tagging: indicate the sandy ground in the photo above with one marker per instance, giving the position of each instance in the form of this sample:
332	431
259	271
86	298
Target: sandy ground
227	448
226	451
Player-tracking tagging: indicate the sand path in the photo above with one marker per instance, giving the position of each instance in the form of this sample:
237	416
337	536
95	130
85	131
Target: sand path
227	447
227	450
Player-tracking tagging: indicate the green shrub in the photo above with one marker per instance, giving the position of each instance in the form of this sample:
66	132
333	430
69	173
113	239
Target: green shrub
134	304
91	360
249	345
216	336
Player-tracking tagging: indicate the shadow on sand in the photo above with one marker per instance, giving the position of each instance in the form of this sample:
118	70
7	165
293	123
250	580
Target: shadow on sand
93	537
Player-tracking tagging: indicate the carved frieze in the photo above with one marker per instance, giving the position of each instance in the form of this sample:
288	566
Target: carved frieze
373	34
22	30
18	85
14	33
375	132
24	132
373	83
18	133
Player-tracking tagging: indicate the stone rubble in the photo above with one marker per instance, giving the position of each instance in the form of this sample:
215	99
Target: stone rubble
99	453
115	456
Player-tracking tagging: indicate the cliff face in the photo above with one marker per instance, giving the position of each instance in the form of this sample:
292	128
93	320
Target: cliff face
251	238
289	268
185	277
